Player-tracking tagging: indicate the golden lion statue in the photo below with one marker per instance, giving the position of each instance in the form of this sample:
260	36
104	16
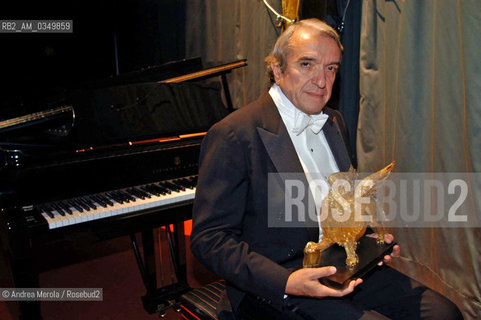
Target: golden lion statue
346	208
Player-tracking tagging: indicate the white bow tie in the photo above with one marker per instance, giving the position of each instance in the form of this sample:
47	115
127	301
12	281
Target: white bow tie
314	122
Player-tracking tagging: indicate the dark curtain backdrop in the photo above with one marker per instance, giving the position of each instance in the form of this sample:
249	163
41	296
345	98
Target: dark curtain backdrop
222	31
420	106
349	73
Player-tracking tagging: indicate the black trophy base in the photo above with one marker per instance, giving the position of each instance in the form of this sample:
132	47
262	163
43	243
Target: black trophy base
370	253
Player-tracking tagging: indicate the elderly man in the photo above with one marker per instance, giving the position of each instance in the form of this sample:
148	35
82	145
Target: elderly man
281	132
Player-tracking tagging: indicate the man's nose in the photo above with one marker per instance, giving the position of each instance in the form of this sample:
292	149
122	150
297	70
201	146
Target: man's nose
319	78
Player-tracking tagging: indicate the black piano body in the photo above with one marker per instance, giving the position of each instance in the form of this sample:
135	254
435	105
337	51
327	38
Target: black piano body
128	165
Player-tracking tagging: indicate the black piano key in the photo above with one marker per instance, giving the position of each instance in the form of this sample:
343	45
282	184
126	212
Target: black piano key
146	194
58	209
159	189
75	205
141	193
49	208
186	183
82	204
192	181
48	212
119	198
122	197
110	196
98	200
164	188
133	192
171	186
65	207
152	191
179	185
115	197
88	202
127	196
182	182
105	199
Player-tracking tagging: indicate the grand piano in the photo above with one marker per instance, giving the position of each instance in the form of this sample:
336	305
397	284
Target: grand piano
119	159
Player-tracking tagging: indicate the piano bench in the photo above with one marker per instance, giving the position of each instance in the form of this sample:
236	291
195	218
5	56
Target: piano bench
201	303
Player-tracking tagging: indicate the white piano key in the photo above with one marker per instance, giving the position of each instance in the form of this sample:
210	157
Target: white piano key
117	208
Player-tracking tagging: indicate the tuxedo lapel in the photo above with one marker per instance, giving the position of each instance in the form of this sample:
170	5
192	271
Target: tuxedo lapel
276	140
332	131
278	144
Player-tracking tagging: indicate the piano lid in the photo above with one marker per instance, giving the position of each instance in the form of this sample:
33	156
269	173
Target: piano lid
183	104
146	110
188	104
64	115
120	115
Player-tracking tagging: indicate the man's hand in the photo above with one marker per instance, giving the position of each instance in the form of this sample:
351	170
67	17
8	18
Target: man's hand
396	250
305	282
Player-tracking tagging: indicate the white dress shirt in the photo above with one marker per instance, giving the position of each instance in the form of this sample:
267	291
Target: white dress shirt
310	143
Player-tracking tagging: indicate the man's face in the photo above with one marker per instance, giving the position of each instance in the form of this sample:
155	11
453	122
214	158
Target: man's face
312	64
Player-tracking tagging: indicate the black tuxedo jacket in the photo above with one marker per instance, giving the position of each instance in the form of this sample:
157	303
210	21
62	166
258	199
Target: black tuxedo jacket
230	225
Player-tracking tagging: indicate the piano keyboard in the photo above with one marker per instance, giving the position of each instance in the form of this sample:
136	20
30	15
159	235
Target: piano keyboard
102	205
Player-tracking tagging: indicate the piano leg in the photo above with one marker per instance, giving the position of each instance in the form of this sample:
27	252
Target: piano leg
149	260
177	251
160	299
25	275
140	264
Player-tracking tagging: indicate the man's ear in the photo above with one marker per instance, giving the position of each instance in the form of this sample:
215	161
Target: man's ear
276	70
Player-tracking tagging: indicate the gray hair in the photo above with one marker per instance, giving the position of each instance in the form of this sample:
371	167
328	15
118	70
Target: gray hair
278	54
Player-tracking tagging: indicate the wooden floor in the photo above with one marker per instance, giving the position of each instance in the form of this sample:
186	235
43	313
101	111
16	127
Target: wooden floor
111	265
